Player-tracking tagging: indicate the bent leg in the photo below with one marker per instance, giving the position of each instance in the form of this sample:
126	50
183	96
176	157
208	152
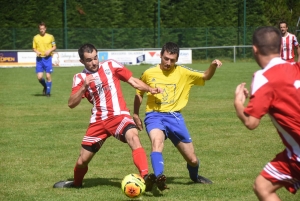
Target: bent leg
157	138
265	190
138	153
188	153
81	166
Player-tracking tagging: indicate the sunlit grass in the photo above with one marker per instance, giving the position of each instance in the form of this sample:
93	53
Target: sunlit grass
40	142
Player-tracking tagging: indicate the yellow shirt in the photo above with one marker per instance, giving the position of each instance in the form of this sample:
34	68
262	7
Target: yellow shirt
43	43
176	84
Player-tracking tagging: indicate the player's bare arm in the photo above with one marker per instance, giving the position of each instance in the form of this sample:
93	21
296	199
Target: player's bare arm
75	99
241	93
209	73
140	85
136	111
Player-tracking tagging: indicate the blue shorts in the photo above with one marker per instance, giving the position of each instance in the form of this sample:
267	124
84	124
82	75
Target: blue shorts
171	123
44	64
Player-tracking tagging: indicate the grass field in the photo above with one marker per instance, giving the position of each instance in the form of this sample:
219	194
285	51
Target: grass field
40	142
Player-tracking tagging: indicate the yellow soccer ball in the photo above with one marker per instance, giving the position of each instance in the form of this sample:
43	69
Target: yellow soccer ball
133	185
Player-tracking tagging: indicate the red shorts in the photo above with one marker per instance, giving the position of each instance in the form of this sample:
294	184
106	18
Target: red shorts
284	171
99	131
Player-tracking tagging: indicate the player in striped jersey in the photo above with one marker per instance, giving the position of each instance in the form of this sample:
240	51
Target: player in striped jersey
288	44
100	84
163	118
275	90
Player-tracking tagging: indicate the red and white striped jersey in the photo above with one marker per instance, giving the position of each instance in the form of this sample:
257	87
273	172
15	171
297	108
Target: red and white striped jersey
276	90
105	92
288	44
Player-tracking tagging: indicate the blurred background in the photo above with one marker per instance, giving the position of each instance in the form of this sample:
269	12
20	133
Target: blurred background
209	27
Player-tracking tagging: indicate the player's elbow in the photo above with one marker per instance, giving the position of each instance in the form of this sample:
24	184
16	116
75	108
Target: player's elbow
71	106
251	125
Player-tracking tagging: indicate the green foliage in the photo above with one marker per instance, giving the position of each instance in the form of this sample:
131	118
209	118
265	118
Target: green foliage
134	24
40	141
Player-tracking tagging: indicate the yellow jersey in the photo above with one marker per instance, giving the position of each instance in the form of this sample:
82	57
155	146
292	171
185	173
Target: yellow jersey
43	43
176	85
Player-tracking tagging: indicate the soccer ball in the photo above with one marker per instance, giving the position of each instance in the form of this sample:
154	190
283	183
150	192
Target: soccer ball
133	185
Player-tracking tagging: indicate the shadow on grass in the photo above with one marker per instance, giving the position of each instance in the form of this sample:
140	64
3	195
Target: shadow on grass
38	95
93	182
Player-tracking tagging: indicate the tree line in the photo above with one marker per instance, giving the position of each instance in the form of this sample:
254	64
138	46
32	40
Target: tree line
120	24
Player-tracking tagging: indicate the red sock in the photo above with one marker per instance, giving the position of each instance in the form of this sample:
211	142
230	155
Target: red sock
79	174
140	160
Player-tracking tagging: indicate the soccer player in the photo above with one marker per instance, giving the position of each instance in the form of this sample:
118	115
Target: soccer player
44	45
275	90
100	84
163	118
288	44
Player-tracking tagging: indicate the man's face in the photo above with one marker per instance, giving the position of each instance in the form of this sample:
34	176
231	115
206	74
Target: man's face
168	61
42	30
91	61
283	28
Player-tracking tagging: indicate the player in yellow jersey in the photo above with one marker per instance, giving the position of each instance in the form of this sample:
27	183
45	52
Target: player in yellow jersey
163	118
43	45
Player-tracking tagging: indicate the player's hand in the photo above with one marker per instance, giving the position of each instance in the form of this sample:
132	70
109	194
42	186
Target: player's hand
155	90
137	120
88	80
241	93
38	54
47	53
217	63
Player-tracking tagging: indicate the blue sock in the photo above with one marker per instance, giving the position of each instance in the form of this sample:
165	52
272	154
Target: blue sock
193	171
157	163
42	81
49	85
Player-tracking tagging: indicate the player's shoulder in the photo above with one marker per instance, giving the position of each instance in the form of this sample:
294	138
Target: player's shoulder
186	68
291	35
113	63
152	68
36	36
49	35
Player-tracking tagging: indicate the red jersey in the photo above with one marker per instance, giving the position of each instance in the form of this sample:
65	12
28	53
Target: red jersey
288	44
276	90
105	92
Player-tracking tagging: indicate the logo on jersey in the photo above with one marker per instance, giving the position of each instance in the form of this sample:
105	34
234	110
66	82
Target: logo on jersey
107	71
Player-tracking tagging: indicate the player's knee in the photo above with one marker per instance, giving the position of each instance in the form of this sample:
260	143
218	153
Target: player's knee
81	163
193	162
258	189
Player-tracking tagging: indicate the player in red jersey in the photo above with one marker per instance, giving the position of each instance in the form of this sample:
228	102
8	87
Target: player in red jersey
100	84
288	44
275	90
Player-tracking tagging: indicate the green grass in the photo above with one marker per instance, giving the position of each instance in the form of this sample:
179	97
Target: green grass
40	142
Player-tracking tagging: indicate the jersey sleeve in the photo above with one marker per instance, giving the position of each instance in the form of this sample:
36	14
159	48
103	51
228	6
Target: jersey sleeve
53	41
34	43
77	83
143	78
196	77
121	71
261	96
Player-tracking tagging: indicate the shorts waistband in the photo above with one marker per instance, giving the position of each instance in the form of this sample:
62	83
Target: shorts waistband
164	112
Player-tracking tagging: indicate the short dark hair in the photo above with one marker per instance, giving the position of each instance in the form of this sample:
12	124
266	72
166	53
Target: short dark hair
267	39
42	24
170	47
283	22
87	47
